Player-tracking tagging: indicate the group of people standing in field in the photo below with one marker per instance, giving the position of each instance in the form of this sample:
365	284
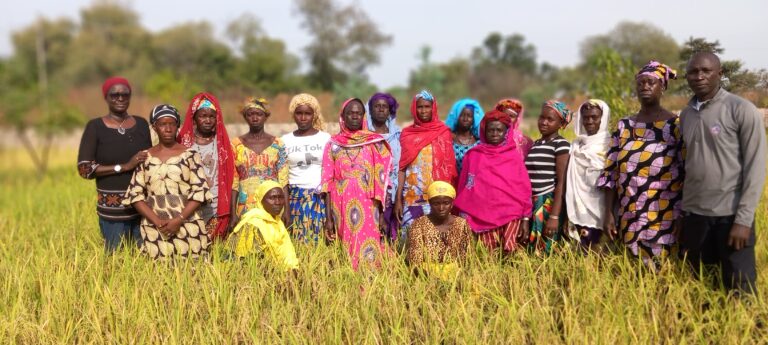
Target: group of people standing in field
657	181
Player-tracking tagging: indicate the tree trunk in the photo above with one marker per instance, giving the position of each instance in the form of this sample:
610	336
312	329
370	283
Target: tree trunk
29	147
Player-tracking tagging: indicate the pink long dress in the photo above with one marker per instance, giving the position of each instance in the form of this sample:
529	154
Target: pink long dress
356	169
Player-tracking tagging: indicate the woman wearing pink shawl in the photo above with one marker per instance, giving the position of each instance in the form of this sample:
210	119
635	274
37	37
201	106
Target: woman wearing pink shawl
514	108
356	167
494	205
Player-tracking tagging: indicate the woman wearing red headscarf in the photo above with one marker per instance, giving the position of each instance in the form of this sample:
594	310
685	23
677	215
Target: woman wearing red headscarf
111	147
427	155
514	108
203	131
356	165
494	193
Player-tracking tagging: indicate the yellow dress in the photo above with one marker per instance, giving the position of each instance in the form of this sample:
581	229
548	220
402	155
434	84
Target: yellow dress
259	233
252	168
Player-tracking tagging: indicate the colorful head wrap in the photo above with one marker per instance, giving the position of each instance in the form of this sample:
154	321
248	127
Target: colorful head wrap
424	94
389	99
312	102
523	142
455	113
202	103
110	82
164	110
659	71
511	104
255	103
561	109
440	188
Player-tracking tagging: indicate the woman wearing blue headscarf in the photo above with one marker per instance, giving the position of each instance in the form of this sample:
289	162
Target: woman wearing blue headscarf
464	122
383	120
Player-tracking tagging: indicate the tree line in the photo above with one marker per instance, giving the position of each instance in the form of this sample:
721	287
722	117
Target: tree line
54	57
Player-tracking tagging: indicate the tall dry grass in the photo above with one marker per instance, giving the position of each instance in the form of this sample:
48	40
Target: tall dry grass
58	287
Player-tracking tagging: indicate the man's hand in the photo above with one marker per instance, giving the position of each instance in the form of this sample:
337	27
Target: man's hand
739	236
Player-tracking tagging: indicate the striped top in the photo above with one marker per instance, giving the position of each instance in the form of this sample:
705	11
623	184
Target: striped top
540	163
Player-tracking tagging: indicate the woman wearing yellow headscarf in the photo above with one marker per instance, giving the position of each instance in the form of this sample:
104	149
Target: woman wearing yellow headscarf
261	230
438	240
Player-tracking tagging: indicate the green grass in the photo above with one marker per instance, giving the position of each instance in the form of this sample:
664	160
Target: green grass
59	287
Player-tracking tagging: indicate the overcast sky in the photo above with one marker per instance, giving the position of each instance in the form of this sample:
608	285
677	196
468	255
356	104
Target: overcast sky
453	27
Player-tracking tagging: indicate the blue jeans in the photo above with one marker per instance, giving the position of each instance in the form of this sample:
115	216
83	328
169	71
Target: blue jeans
118	232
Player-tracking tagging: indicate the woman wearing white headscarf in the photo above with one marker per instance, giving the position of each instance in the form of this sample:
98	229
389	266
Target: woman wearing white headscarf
583	199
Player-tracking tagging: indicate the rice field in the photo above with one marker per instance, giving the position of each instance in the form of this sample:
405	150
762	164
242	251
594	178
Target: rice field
58	287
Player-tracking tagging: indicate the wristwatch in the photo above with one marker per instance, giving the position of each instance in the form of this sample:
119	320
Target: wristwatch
118	168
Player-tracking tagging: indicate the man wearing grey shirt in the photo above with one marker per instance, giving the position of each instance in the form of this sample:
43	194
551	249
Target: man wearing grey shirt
725	166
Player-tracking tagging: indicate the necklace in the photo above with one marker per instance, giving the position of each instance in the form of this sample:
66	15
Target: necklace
120	128
206	139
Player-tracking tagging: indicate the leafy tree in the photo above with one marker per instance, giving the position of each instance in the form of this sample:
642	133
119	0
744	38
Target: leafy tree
636	42
345	41
699	44
534	94
264	63
29	100
456	73
173	88
57	35
503	67
428	75
611	79
489	83
354	86
511	51
571	80
447	81
548	71
111	41
192	51
739	79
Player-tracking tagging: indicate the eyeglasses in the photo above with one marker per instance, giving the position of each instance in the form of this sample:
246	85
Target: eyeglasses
116	95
